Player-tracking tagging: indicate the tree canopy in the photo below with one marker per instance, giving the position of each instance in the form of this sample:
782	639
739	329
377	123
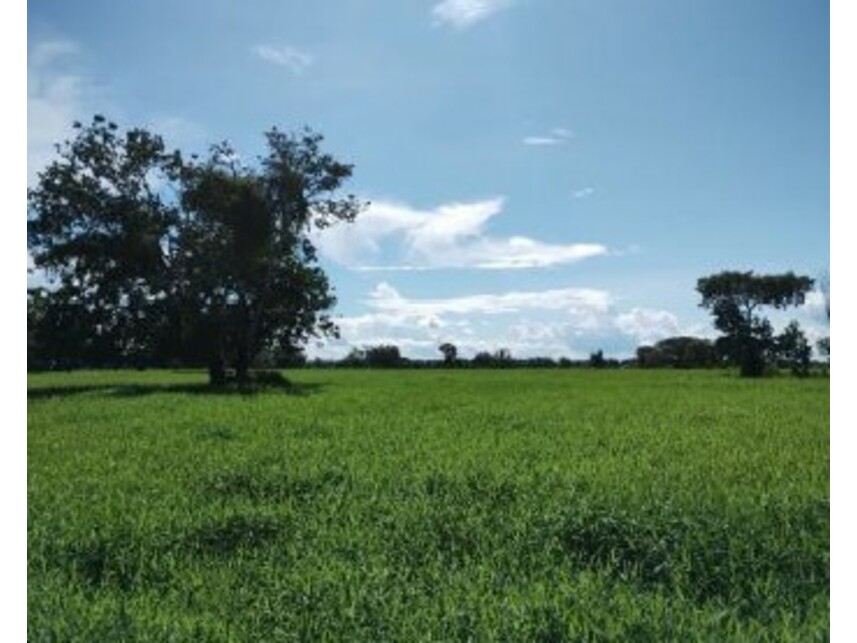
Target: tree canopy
199	260
450	353
734	299
678	352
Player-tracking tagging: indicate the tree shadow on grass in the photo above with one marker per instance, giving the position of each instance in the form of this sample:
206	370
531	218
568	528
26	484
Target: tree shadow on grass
284	386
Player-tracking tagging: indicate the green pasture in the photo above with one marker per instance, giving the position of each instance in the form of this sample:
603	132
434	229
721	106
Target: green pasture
432	505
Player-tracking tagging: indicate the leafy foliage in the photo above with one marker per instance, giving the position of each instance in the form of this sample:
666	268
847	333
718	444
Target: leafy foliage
384	355
734	298
501	358
203	261
596	359
678	352
794	349
450	353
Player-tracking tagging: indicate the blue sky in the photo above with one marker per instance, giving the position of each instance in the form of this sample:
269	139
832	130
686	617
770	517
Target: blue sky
550	176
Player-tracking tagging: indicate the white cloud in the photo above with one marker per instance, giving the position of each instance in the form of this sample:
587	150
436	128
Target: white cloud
385	298
648	326
583	193
54	101
462	14
538	332
474	322
814	306
55	96
541	140
563	322
450	236
285	56
60	93
557	136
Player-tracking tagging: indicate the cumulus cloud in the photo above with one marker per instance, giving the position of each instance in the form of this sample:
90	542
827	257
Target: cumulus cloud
561	322
59	92
461	14
55	97
387	299
478	322
285	56
648	326
557	136
450	236
815	306
582	193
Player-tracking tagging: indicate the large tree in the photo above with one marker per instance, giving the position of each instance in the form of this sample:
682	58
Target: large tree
735	298
205	260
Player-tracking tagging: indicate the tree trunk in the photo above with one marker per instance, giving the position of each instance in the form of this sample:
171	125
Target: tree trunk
242	367
245	341
216	372
752	362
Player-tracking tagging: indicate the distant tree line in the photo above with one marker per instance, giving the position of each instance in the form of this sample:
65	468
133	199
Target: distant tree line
788	350
792	352
389	356
46	351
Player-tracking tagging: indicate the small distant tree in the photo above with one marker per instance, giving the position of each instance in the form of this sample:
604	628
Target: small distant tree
450	353
734	299
483	359
503	358
355	357
678	352
596	359
383	356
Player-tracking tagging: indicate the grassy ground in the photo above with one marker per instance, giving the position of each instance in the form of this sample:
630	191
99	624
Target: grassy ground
429	505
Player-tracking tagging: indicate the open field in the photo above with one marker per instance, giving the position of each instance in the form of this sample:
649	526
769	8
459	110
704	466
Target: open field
429	505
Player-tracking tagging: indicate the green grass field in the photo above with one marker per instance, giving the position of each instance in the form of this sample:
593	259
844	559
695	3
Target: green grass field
429	505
